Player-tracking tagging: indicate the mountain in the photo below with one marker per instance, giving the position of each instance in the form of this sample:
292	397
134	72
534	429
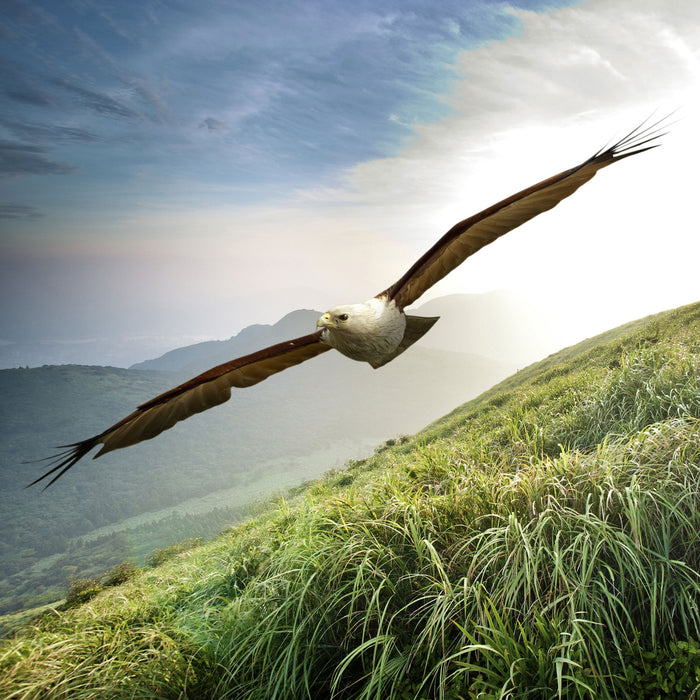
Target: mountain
501	326
480	324
117	352
196	358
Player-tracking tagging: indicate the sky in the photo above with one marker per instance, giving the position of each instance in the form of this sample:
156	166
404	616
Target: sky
174	170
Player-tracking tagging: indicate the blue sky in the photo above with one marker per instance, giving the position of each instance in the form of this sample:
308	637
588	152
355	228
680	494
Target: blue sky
241	100
171	171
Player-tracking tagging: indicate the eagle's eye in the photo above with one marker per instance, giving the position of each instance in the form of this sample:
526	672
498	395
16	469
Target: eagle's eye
343	317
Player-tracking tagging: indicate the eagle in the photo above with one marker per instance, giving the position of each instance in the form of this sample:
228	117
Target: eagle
375	331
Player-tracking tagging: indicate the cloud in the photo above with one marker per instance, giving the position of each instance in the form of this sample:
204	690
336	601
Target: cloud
212	124
21	159
102	104
19	88
28	95
566	68
48	132
19	211
158	108
137	85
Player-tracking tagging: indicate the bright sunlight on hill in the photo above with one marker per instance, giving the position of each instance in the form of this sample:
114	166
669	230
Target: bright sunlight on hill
540	541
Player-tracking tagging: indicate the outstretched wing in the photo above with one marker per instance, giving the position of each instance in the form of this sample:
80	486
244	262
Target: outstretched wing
468	236
198	394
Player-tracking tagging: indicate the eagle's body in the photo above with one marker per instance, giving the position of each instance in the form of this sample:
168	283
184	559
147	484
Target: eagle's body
375	331
366	332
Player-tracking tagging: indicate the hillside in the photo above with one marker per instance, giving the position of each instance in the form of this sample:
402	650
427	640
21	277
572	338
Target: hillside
198	477
539	541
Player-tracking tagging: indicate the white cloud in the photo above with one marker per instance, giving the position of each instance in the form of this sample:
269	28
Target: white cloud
535	104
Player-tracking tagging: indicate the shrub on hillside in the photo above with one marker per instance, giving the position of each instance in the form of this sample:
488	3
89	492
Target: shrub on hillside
81	590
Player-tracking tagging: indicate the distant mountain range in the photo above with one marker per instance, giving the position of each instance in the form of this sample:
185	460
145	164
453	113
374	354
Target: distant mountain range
498	325
201	356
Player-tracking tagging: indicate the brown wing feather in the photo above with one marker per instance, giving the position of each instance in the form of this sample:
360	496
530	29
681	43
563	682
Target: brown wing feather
207	390
468	236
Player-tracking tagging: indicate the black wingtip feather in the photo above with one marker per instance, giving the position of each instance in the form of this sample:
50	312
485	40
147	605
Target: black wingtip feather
641	138
63	461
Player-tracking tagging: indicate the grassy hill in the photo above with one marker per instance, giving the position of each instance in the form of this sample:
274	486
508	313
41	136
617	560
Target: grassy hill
199	476
540	541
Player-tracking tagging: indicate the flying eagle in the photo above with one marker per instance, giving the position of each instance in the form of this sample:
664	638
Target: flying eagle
375	331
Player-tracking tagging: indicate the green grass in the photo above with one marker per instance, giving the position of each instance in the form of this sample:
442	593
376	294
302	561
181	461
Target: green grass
539	542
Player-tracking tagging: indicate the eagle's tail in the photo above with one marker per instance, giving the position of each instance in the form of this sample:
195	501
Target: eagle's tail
416	328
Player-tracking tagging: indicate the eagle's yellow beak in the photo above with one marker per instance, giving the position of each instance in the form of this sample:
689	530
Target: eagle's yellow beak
325	321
